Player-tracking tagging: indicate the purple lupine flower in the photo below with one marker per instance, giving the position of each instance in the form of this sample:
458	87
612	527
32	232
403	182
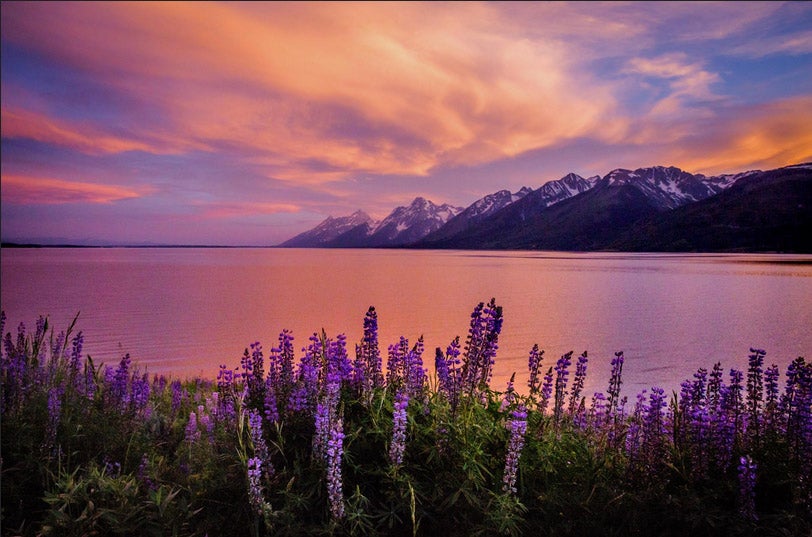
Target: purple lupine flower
577	384
334	454
509	396
305	391
771	397
597	410
272	377
317	357
257	377
715	388
177	395
654	417
561	374
518	428
747	488
634	435
338	359
139	398
286	356
57	349
213	405
755	389
448	373
258	441
255	494
415	374
270	407
76	352
796	406
368	362
534	366
121	377
246	366
615	381
192	432
159	384
691	401
143	473
257	360
225	378
396	364
473	345
322	428
731	402
206	422
441	371
399	421
481	346
546	390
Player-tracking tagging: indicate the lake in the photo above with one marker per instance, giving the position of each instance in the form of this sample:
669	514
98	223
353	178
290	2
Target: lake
185	311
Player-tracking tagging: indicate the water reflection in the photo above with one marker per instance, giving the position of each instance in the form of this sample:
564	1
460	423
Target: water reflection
185	311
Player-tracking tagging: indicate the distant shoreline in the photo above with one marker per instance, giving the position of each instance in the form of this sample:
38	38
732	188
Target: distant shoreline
34	245
210	246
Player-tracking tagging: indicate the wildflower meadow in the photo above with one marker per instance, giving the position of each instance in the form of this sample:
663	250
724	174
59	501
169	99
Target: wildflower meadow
330	440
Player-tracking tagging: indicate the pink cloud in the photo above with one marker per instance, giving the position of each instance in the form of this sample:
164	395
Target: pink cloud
233	209
23	190
86	138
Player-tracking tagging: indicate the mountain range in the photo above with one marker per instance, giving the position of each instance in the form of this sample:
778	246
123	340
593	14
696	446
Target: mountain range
648	209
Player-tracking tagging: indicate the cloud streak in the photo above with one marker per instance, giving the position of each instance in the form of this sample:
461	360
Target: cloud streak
21	190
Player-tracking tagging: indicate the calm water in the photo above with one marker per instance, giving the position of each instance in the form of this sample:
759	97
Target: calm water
185	311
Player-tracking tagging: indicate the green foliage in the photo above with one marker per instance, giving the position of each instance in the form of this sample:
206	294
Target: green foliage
103	465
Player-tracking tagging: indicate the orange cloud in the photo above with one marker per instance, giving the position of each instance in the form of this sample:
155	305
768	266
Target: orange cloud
41	190
427	84
766	136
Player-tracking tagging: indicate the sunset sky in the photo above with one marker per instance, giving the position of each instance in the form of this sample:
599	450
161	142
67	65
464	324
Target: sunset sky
247	123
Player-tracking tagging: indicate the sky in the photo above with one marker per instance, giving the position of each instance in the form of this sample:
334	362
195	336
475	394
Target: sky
247	123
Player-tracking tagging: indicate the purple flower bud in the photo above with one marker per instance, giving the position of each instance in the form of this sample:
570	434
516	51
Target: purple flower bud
255	494
192	432
334	454
518	428
399	421
534	367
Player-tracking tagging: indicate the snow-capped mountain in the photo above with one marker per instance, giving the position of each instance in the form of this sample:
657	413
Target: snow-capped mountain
568	186
624	209
669	187
328	230
549	194
406	225
479	210
492	203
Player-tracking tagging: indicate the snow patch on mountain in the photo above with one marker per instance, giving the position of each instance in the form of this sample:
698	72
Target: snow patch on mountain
405	225
329	228
670	187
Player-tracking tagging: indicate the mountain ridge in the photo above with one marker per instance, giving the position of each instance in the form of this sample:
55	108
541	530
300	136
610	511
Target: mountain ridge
622	210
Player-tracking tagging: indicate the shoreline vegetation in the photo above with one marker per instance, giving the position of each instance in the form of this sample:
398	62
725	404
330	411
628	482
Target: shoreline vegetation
327	441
